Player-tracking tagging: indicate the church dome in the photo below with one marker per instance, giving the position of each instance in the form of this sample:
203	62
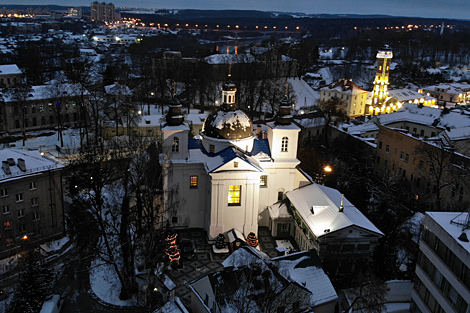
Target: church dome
228	124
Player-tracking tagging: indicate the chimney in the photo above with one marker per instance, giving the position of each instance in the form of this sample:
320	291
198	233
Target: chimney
21	165
341	207
6	167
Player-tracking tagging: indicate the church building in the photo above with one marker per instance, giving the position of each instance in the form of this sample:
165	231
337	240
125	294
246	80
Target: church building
228	178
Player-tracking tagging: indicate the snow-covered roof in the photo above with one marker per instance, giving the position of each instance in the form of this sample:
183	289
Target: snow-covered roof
43	92
345	86
8	69
443	219
229	58
325	203
33	161
305	269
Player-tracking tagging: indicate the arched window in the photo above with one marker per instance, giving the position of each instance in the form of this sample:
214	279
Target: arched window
284	143
176	145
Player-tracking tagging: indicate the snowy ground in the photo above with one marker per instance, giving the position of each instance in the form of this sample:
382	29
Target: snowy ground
106	285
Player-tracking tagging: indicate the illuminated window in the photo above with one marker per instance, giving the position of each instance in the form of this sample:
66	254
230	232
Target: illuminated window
284	144
212	149
7	224
193	182
175	146
234	194
263	181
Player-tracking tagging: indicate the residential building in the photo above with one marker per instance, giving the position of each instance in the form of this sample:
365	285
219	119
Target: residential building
453	92
31	200
353	96
291	283
41	107
436	172
442	276
10	75
103	12
320	218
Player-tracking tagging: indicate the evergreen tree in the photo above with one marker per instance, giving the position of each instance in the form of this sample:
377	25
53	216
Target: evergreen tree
33	286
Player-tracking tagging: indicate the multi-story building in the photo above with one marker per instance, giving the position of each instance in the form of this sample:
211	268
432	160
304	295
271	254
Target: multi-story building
353	96
437	174
10	75
103	12
31	200
41	107
442	280
454	93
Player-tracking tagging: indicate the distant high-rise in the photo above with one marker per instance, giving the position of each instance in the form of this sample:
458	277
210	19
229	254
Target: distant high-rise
103	12
380	92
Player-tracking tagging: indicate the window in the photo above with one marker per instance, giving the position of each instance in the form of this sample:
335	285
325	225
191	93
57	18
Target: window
263	181
4	192
7	224
6	209
234	194
33	186
20	213
387	149
35	201
193	182
175	145
19	197
284	143
36	216
212	149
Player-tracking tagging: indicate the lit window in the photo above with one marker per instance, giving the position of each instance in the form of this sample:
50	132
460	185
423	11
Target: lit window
193	182
212	149
6	209
7	224
32	186
234	194
35	201
284	143
263	181
19	197
4	192
175	146
20	213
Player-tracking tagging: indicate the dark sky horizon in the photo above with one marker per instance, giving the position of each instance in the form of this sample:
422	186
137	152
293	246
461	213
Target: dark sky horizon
452	9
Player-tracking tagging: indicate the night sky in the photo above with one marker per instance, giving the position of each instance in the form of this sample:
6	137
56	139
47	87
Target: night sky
455	9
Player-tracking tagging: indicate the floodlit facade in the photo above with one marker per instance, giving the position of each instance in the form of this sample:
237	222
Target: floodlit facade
381	82
442	280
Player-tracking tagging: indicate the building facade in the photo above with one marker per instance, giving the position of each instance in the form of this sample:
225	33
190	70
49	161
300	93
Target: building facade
442	276
353	96
31	200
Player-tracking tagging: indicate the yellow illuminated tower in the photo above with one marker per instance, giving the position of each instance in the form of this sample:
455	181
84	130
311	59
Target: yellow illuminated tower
380	92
